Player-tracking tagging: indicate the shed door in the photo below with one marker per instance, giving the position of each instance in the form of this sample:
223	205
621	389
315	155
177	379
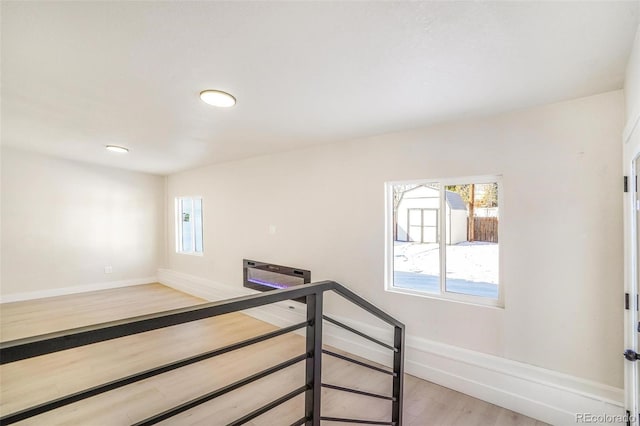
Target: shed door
423	225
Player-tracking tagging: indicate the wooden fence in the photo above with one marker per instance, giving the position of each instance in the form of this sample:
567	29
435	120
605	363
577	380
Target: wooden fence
484	229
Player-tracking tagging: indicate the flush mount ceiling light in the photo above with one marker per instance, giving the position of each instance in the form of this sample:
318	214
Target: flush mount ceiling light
217	98
118	149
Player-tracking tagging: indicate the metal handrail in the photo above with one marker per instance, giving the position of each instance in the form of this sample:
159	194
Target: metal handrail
29	347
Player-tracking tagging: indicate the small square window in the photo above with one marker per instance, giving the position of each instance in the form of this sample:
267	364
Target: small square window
189	225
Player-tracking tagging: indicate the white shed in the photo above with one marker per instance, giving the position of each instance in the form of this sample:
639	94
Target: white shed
418	213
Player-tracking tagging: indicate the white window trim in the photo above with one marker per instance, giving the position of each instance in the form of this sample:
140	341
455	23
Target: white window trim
388	234
178	233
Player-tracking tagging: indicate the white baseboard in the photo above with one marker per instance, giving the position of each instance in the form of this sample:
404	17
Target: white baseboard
543	394
41	294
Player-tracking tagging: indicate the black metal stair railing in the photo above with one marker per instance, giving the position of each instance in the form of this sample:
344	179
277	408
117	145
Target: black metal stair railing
30	347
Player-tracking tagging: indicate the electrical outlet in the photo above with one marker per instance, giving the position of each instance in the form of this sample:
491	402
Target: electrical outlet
108	269
272	229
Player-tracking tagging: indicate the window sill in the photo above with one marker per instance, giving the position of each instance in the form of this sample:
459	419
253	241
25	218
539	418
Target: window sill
451	297
190	254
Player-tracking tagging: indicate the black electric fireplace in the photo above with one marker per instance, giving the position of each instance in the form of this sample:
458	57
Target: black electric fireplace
267	276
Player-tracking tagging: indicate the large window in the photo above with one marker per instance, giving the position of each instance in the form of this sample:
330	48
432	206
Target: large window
189	225
442	239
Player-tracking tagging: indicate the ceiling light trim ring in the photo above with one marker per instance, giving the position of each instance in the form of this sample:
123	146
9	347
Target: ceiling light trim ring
218	98
117	148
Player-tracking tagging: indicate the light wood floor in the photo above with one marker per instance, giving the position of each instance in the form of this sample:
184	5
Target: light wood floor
29	382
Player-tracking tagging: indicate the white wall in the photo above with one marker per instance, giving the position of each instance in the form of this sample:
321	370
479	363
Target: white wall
63	222
561	218
456	226
632	86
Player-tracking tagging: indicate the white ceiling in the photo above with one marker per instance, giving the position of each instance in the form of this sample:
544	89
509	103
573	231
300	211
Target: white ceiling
79	75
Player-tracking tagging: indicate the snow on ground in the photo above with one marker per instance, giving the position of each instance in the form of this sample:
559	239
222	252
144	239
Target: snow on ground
472	267
472	261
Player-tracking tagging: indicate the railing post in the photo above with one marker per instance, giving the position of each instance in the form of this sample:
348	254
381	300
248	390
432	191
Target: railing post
314	360
398	380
